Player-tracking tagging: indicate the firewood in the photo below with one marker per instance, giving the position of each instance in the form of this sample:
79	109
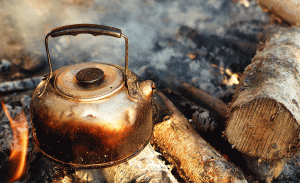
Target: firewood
144	167
19	85
264	117
200	97
288	10
201	119
194	159
194	94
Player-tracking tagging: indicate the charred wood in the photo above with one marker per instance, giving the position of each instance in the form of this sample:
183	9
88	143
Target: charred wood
4	166
19	85
194	159
189	91
231	41
4	65
202	119
201	97
290	172
198	96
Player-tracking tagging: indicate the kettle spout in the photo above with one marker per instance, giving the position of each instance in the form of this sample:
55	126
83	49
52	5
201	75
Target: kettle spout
147	88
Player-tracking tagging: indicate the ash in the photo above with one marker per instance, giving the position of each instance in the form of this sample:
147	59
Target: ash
201	59
195	40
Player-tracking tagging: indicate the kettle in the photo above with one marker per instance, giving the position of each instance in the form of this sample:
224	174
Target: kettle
91	114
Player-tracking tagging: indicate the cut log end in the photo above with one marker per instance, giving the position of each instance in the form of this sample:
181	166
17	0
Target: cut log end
263	128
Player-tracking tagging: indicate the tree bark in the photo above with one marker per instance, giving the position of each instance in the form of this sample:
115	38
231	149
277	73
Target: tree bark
145	167
194	159
288	10
264	117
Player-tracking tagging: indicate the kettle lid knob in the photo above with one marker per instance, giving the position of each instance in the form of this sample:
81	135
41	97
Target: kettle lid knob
89	75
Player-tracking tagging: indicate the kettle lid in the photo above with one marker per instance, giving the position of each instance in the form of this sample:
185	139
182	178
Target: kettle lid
89	81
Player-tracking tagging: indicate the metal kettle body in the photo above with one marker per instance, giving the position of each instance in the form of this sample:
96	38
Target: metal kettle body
91	114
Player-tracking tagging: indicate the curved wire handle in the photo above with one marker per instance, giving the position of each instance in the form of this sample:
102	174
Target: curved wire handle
76	29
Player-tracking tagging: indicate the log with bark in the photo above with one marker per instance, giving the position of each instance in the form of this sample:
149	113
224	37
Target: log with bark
145	167
288	10
264	117
193	158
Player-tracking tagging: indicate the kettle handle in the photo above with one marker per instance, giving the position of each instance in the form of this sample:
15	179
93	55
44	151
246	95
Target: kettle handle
74	30
93	29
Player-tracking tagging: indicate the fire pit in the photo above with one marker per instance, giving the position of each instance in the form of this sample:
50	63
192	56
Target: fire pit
187	48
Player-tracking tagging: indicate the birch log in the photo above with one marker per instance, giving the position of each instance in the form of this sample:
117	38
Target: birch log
193	158
264	117
288	10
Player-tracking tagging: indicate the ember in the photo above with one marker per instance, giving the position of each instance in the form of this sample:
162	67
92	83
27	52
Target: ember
233	78
17	159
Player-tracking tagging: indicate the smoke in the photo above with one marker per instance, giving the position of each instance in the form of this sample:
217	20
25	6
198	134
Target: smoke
143	21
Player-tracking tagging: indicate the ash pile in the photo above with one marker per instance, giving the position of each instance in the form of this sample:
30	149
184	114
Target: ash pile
206	44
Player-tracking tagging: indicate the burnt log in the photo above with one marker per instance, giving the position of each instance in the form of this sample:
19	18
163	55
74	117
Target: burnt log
197	95
193	158
19	85
201	119
264	117
201	97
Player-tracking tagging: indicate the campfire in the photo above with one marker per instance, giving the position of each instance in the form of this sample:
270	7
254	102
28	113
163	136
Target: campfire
17	160
224	105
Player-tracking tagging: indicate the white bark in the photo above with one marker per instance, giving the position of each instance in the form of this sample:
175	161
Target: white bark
274	72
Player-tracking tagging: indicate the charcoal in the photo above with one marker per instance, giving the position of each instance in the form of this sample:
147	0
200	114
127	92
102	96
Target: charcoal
4	65
25	101
290	172
203	122
198	58
19	85
247	30
3	165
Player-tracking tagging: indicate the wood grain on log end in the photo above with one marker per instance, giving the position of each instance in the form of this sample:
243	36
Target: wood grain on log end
263	128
